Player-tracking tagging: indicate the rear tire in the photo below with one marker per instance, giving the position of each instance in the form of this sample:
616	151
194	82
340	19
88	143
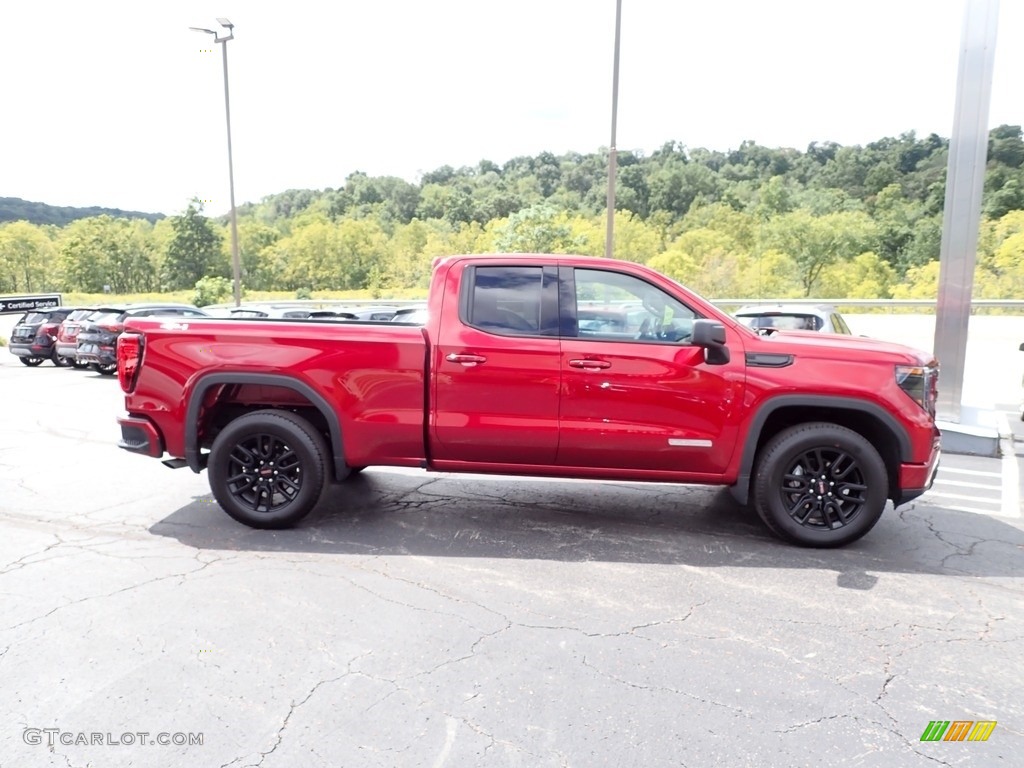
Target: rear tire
820	485
267	468
58	360
104	370
31	362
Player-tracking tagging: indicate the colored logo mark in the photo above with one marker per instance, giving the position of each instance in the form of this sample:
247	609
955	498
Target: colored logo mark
958	730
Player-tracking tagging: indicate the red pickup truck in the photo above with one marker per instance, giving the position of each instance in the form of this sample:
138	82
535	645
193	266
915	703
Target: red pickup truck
564	366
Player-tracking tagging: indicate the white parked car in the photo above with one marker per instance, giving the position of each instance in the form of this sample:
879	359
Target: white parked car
823	318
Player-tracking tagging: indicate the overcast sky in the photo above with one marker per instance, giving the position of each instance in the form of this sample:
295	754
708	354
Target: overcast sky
118	104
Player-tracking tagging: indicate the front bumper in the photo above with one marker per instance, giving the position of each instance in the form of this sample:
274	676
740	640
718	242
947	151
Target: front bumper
916	479
140	435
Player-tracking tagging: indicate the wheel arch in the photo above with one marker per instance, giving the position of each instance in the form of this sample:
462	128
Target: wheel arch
197	460
869	420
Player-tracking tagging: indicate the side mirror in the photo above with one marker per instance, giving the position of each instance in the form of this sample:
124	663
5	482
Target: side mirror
1021	347
710	334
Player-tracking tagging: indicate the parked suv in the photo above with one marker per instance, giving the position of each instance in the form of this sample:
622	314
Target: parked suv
793	317
97	337
33	339
67	336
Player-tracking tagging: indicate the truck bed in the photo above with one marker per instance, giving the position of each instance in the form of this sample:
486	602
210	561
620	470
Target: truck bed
372	375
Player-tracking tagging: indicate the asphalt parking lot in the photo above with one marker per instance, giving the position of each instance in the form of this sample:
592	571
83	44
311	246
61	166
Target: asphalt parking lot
443	620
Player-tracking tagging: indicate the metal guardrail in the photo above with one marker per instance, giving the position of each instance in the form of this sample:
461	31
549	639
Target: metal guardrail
880	303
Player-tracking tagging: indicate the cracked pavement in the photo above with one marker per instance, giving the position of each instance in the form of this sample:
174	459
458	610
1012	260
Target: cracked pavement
442	620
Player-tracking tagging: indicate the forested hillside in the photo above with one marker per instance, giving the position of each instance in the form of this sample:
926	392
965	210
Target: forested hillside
832	221
16	209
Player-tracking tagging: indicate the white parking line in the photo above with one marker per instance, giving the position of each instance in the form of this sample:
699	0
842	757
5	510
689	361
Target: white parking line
975	472
975	510
961	484
962	497
1011	479
1007	485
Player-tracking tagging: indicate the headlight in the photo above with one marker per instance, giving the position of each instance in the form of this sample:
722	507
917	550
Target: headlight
921	383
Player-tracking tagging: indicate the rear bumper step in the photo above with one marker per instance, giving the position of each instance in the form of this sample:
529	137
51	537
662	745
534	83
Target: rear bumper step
139	435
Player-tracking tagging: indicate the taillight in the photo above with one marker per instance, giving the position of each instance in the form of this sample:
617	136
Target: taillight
921	383
48	329
129	359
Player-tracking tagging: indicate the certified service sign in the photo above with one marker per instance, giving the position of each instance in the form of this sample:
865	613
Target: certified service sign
9	304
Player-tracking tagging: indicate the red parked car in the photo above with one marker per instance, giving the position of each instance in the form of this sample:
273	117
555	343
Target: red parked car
34	338
67	335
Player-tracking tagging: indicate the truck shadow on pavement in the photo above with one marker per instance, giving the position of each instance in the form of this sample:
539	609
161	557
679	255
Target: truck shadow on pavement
387	513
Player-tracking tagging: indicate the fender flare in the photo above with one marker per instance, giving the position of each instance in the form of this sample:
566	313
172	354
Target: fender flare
196	460
740	490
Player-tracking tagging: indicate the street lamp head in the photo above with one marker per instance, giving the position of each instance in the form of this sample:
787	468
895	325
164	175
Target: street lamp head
224	22
203	29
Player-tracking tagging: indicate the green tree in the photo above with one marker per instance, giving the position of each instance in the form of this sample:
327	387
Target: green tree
815	242
26	256
867	276
86	248
195	250
768	275
538	229
705	260
321	254
211	290
260	271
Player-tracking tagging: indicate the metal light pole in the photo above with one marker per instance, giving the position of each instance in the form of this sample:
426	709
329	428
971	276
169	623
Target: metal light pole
961	214
608	240
236	265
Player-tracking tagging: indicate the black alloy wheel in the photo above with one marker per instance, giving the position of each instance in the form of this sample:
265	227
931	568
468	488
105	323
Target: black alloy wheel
267	468
820	485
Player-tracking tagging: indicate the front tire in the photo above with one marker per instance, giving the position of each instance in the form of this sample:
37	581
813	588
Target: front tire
267	468
820	485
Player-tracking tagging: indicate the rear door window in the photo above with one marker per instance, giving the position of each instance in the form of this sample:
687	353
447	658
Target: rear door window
506	300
